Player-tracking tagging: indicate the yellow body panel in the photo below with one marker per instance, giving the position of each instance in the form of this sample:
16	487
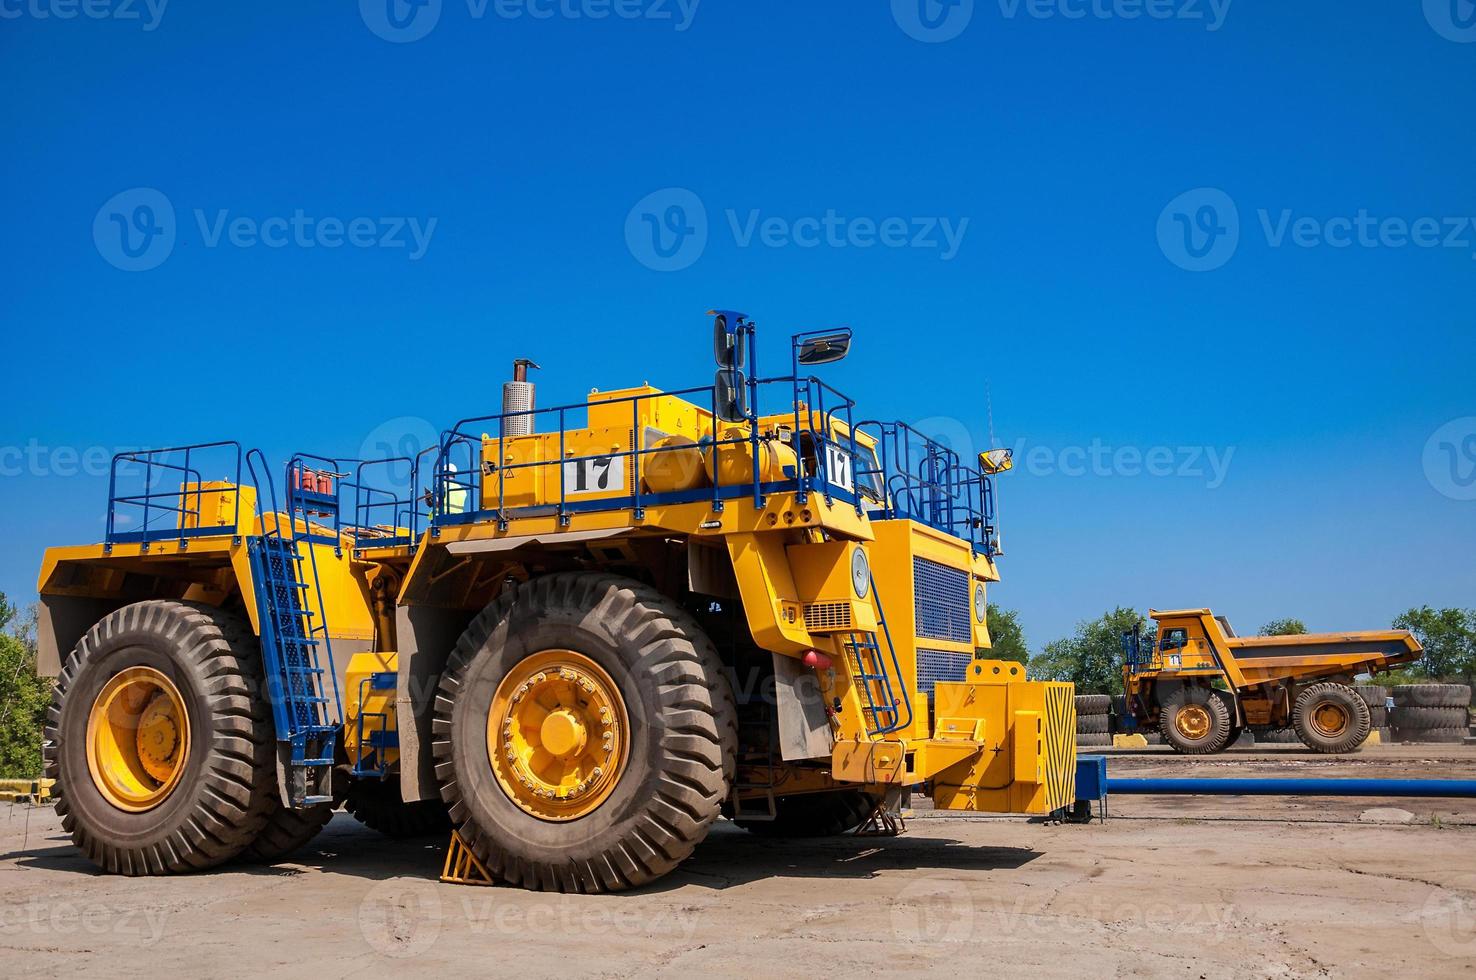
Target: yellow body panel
375	705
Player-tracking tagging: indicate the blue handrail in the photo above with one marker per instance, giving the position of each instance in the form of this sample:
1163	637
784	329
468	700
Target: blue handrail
179	504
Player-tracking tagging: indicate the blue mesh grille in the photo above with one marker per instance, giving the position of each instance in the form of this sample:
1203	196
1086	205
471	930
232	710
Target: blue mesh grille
940	665
942	601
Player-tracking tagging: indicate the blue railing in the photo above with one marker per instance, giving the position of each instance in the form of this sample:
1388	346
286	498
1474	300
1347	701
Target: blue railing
382	517
927	482
177	512
460	493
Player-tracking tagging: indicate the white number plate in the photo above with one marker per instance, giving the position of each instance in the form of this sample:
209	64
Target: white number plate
840	468
596	474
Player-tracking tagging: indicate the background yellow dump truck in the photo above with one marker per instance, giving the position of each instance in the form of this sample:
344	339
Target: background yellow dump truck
1201	685
576	635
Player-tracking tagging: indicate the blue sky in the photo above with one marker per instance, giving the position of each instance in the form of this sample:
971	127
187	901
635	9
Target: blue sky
1232	239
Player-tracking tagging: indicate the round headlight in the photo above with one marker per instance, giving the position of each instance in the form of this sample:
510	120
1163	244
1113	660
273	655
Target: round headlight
860	573
981	606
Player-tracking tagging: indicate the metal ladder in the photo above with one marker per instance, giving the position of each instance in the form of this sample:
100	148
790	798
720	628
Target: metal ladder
284	568
882	698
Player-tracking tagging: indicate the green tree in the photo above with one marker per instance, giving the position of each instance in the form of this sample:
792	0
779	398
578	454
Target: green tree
1091	658
1008	637
1284	627
1449	639
23	696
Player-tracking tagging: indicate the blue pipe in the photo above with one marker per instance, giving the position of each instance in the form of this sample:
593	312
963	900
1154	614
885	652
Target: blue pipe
1295	787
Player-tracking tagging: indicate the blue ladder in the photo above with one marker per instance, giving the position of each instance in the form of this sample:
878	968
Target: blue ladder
284	567
882	699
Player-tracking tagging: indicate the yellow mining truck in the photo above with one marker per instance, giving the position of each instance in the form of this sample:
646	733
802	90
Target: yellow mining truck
1201	684
573	635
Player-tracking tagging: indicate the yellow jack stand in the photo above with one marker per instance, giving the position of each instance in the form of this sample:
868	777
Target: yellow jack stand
462	866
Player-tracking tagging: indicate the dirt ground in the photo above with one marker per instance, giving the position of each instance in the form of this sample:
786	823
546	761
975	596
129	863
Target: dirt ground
1182	887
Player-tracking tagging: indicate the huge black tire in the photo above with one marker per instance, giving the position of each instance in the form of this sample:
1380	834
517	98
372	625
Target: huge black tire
1432	696
1196	721
1413	718
1094	739
377	804
1093	704
682	734
1091	724
286	832
226	788
1432	736
1348	730
815	815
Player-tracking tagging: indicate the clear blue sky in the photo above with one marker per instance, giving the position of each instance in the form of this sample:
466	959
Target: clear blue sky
533	143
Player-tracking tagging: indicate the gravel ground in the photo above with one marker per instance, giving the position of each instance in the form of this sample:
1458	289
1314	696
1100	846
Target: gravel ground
1182	887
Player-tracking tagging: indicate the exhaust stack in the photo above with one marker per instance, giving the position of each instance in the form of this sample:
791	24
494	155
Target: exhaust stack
517	396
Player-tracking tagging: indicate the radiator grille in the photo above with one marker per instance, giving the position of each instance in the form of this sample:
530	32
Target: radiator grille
941	597
823	617
941	665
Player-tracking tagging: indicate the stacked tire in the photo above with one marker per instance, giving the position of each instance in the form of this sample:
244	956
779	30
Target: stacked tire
1093	719
1377	699
1432	713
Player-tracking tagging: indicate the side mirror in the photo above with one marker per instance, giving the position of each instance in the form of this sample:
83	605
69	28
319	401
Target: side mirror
729	341
730	395
824	348
996	461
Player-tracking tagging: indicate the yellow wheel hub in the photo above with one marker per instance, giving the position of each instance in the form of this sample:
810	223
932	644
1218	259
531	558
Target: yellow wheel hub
1330	719
138	739
557	735
1193	721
